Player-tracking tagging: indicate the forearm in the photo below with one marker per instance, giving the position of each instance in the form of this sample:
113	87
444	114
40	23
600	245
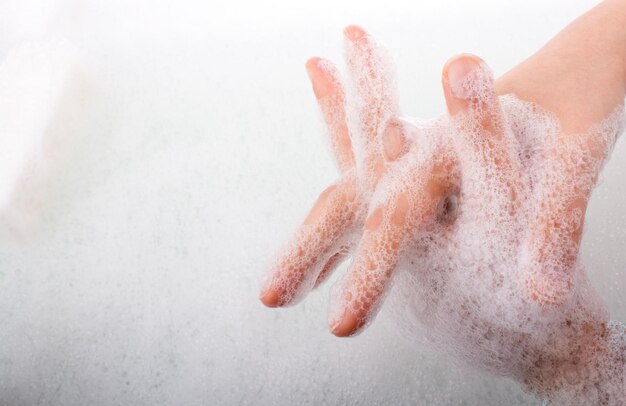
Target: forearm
580	75
596	41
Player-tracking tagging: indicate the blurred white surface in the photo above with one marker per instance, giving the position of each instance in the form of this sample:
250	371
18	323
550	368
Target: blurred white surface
202	150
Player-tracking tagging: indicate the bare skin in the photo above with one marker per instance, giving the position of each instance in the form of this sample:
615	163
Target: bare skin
580	76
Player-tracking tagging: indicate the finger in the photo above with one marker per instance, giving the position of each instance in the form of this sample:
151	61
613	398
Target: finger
475	110
396	144
386	233
294	272
371	77
571	167
330	96
469	89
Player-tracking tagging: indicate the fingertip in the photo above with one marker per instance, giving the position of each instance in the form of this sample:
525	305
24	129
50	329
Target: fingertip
457	67
354	32
311	63
347	326
321	77
455	70
270	298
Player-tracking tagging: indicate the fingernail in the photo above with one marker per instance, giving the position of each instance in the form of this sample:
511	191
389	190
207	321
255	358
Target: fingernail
311	64
320	84
345	326
458	73
354	32
270	298
335	323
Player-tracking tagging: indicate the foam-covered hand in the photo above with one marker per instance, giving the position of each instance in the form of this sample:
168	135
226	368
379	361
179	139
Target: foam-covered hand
501	287
478	215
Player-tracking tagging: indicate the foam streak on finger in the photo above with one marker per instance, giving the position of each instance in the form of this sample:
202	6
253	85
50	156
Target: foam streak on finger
330	96
387	231
375	99
476	114
572	163
296	269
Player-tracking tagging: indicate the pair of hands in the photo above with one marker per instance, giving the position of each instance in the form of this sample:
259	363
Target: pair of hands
479	224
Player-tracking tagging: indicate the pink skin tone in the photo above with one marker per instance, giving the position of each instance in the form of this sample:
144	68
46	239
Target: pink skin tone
580	76
335	200
561	87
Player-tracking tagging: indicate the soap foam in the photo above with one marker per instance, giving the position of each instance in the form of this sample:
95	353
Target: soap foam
467	287
490	273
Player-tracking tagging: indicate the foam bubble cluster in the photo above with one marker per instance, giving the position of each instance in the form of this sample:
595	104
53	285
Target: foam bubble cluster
501	287
478	216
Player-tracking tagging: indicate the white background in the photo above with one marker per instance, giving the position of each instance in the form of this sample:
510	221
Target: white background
202	150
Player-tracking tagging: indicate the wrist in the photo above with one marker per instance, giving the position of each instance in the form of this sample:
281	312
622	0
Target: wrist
593	372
